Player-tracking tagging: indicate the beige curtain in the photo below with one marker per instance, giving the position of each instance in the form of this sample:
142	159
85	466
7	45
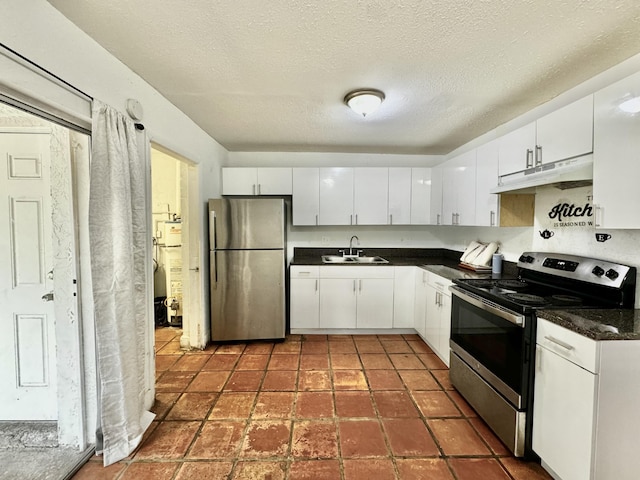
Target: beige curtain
117	232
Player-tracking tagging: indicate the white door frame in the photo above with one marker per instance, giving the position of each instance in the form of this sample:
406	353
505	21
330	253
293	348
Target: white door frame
25	86
193	328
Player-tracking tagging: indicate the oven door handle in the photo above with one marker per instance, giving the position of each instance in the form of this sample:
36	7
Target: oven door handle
488	306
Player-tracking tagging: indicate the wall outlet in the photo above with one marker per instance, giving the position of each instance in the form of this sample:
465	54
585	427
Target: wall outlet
326	240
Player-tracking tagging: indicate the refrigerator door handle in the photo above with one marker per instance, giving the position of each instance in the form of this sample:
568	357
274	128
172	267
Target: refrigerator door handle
213	243
214	270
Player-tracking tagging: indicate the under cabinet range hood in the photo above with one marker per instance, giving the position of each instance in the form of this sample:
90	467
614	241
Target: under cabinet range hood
563	174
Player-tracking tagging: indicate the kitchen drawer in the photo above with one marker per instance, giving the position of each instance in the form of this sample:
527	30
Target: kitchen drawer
304	271
339	271
440	283
572	346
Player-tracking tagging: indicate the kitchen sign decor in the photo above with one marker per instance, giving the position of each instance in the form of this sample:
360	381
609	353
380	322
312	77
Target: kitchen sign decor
571	212
567	216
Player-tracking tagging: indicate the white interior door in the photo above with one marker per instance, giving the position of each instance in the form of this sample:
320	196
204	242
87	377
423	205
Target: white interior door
27	322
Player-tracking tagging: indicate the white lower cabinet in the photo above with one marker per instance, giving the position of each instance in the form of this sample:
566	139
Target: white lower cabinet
585	419
356	297
438	318
304	305
432	312
420	302
338	307
403	296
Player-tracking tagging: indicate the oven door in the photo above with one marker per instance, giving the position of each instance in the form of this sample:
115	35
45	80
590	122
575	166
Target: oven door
493	341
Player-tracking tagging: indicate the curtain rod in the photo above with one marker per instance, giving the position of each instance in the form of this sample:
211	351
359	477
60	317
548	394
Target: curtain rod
43	71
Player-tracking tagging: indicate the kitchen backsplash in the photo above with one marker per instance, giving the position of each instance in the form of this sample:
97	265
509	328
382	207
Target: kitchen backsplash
564	222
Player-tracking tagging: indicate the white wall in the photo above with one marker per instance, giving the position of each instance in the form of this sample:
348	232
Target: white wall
37	31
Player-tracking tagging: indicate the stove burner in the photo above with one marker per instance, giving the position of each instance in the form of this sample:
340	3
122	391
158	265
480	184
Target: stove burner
513	284
526	299
566	300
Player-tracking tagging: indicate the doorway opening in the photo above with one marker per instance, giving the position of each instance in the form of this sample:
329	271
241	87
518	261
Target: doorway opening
176	246
47	386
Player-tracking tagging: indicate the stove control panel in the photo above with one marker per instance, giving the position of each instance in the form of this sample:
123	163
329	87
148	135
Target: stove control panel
558	264
574	267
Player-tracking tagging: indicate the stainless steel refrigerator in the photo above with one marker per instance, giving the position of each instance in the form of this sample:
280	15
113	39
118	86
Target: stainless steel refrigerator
247	268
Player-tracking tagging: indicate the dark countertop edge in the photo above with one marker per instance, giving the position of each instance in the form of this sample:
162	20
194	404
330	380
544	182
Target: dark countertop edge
587	321
400	257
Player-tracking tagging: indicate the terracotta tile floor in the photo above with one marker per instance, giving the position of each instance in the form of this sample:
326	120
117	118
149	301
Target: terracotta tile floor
313	407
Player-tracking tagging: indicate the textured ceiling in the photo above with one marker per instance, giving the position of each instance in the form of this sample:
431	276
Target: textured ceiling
271	75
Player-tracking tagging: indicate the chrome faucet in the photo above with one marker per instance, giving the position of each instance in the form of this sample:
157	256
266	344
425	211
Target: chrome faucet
351	245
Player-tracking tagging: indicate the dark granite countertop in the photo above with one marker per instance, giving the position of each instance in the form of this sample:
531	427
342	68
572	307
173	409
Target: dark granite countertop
597	324
440	261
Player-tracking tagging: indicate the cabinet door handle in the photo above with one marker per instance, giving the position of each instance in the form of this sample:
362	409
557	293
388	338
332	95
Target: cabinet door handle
539	353
316	285
492	218
457	219
316	219
559	342
360	285
259	189
538	155
350	219
390	219
437	219
453	219
424	277
253	190
529	160
354	286
597	219
356	218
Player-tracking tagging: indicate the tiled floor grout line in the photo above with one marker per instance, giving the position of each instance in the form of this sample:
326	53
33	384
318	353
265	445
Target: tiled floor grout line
389	347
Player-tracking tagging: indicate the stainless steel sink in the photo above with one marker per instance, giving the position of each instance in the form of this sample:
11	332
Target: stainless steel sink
336	259
370	260
340	259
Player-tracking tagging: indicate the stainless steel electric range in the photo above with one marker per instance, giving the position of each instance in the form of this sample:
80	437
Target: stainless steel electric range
493	327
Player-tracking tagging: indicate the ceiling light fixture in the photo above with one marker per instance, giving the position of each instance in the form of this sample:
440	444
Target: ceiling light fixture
364	101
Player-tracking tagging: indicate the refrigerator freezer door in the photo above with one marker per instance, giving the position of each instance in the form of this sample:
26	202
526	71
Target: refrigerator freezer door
239	223
247	295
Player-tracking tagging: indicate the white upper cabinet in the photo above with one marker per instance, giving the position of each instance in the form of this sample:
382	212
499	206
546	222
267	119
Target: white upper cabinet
565	133
559	135
371	196
435	206
420	192
516	150
400	192
256	181
306	196
616	157
486	179
459	196
336	196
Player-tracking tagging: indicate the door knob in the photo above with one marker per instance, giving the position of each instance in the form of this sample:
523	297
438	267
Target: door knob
47	297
